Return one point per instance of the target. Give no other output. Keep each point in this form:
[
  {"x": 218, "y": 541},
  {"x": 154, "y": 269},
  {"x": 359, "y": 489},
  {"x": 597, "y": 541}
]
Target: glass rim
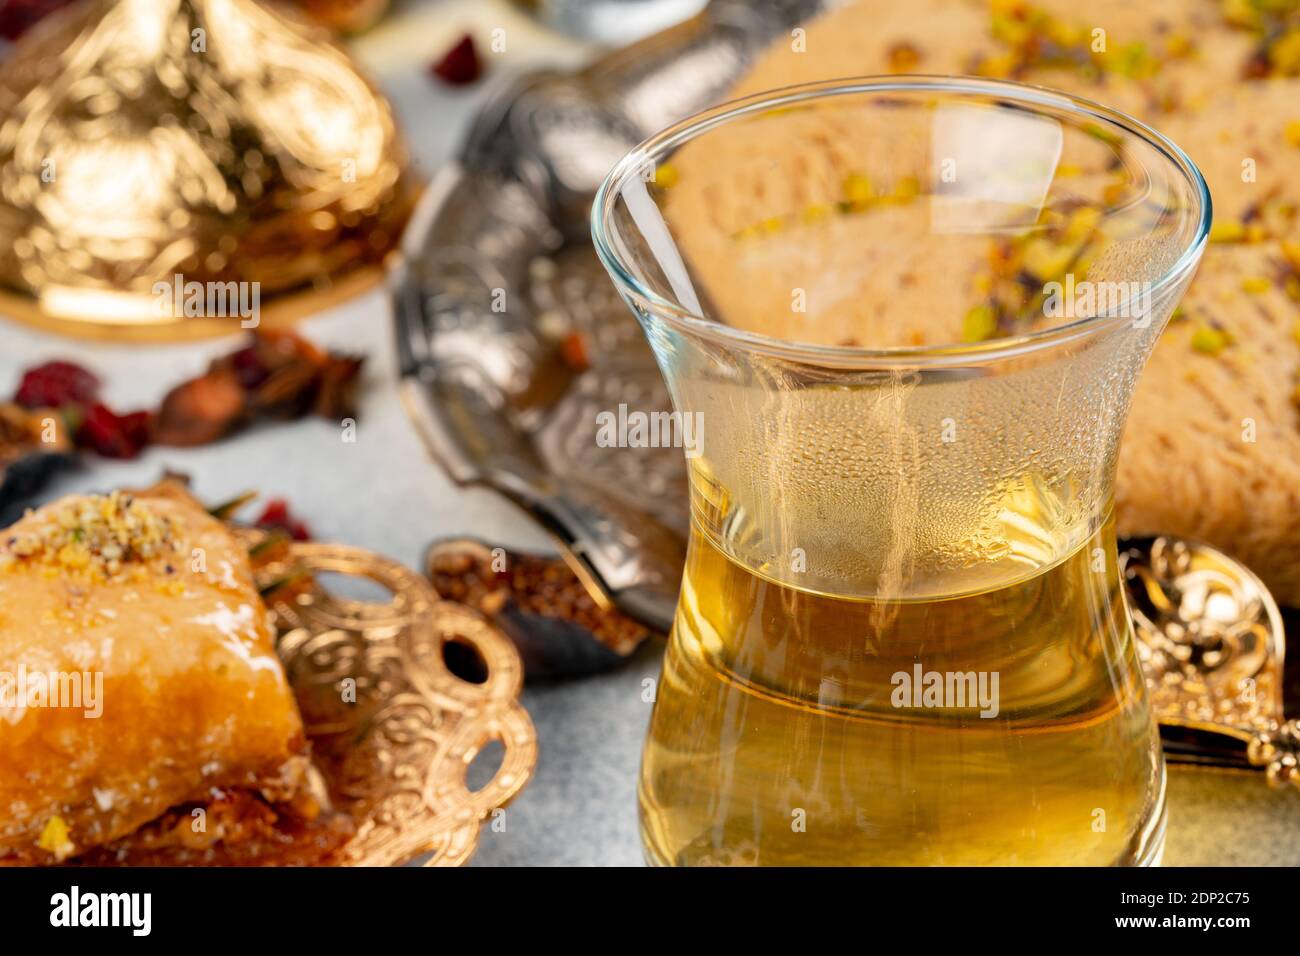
[{"x": 1022, "y": 94}]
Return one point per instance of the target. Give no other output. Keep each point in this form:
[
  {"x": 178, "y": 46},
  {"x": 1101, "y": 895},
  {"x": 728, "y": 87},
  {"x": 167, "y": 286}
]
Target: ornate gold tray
[{"x": 396, "y": 760}]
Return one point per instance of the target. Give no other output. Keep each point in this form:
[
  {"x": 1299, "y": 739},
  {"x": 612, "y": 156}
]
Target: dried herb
[
  {"x": 202, "y": 410},
  {"x": 286, "y": 376},
  {"x": 57, "y": 409},
  {"x": 277, "y": 375},
  {"x": 66, "y": 393}
]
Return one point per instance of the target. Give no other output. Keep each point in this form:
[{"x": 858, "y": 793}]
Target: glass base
[
  {"x": 1149, "y": 849},
  {"x": 1151, "y": 846}
]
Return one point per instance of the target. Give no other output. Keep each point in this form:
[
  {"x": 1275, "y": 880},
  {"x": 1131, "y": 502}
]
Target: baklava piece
[{"x": 138, "y": 675}]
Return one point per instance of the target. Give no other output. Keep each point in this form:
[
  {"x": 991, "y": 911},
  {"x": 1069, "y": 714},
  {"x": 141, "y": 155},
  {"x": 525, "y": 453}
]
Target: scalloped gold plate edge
[{"x": 412, "y": 716}]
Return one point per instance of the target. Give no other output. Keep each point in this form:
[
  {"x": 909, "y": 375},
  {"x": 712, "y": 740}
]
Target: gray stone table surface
[{"x": 382, "y": 492}]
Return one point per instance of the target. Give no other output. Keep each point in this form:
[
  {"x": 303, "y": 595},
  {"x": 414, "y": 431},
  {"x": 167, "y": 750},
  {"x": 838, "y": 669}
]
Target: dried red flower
[
  {"x": 277, "y": 517},
  {"x": 55, "y": 384},
  {"x": 113, "y": 435},
  {"x": 279, "y": 374},
  {"x": 460, "y": 65}
]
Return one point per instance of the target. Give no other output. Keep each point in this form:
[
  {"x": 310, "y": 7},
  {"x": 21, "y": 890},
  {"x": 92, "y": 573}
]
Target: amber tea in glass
[{"x": 909, "y": 313}]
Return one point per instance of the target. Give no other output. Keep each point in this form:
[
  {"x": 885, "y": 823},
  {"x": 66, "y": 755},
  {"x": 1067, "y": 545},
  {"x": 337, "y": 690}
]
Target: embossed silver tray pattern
[{"x": 499, "y": 272}]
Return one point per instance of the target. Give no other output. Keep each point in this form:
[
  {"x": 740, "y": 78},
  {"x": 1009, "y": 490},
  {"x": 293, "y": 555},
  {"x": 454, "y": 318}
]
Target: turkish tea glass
[{"x": 904, "y": 317}]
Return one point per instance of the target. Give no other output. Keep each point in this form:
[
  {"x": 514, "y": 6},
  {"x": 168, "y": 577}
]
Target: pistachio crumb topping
[
  {"x": 1033, "y": 37},
  {"x": 55, "y": 839},
  {"x": 1227, "y": 230},
  {"x": 666, "y": 175},
  {"x": 979, "y": 323},
  {"x": 101, "y": 535},
  {"x": 1210, "y": 340},
  {"x": 1291, "y": 253}
]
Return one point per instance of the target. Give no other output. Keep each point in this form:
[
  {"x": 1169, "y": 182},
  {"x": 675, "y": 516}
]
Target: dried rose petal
[
  {"x": 56, "y": 383},
  {"x": 113, "y": 435},
  {"x": 277, "y": 517},
  {"x": 460, "y": 65}
]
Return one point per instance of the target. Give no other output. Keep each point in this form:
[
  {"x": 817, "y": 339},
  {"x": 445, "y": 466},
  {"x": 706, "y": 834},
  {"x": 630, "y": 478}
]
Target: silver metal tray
[{"x": 499, "y": 274}]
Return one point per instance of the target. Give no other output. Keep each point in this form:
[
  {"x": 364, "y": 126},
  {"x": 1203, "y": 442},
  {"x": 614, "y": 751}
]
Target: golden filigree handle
[
  {"x": 396, "y": 749},
  {"x": 485, "y": 721}
]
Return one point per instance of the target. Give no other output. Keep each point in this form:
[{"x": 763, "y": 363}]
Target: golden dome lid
[{"x": 163, "y": 159}]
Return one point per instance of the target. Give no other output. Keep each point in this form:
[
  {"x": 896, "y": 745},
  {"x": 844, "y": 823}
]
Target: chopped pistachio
[
  {"x": 1209, "y": 340},
  {"x": 1179, "y": 45},
  {"x": 906, "y": 188},
  {"x": 1114, "y": 193},
  {"x": 1256, "y": 233},
  {"x": 1046, "y": 259},
  {"x": 1099, "y": 132},
  {"x": 1011, "y": 29},
  {"x": 1065, "y": 34},
  {"x": 1240, "y": 13},
  {"x": 1285, "y": 54},
  {"x": 1082, "y": 222},
  {"x": 666, "y": 175},
  {"x": 815, "y": 213},
  {"x": 858, "y": 189},
  {"x": 1227, "y": 230},
  {"x": 980, "y": 323},
  {"x": 1132, "y": 61},
  {"x": 1291, "y": 253},
  {"x": 55, "y": 839},
  {"x": 96, "y": 535},
  {"x": 998, "y": 67}
]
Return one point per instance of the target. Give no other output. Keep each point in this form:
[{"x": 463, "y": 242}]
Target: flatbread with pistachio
[{"x": 1212, "y": 448}]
